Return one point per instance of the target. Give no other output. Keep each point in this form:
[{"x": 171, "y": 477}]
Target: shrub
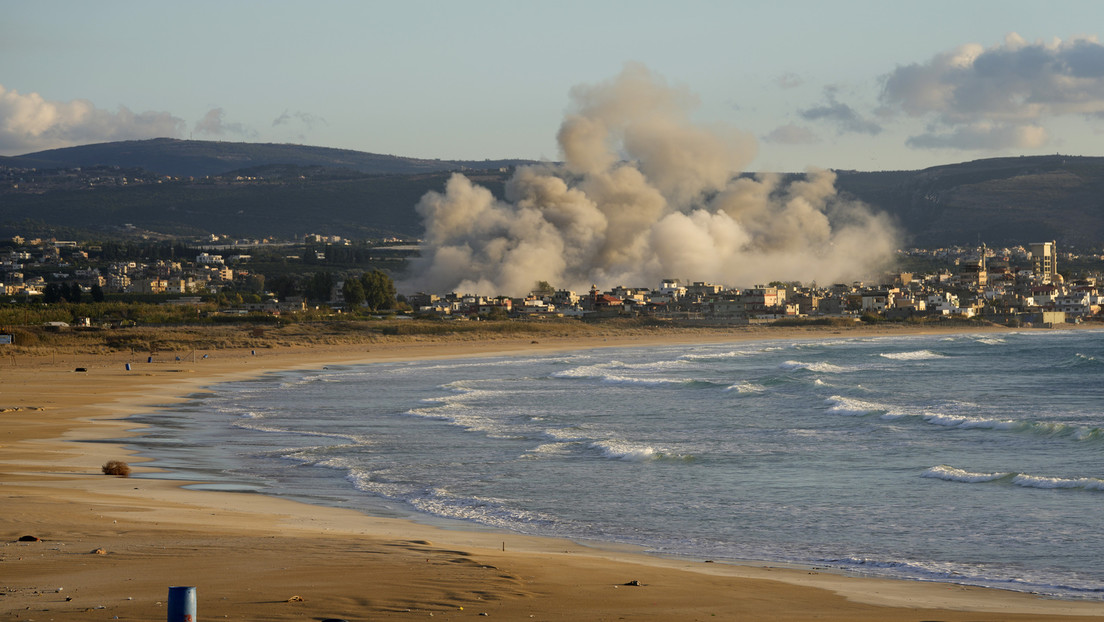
[{"x": 116, "y": 467}]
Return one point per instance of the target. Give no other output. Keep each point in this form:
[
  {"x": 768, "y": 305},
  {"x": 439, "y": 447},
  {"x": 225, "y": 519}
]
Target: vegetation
[
  {"x": 289, "y": 190},
  {"x": 117, "y": 468}
]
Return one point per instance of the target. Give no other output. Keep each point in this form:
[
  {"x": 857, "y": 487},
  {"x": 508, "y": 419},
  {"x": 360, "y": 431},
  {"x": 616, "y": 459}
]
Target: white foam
[
  {"x": 852, "y": 407},
  {"x": 817, "y": 367},
  {"x": 258, "y": 427},
  {"x": 623, "y": 450},
  {"x": 712, "y": 356},
  {"x": 1025, "y": 480},
  {"x": 917, "y": 355},
  {"x": 1040, "y": 481},
  {"x": 952, "y": 474},
  {"x": 746, "y": 387},
  {"x": 958, "y": 421},
  {"x": 551, "y": 449}
]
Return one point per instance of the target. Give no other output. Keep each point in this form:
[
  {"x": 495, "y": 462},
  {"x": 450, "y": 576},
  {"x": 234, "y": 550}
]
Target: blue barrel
[
  {"x": 182, "y": 604},
  {"x": 128, "y": 366},
  {"x": 149, "y": 360}
]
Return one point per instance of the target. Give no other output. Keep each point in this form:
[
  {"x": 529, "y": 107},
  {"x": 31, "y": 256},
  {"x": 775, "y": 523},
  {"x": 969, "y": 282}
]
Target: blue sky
[{"x": 848, "y": 85}]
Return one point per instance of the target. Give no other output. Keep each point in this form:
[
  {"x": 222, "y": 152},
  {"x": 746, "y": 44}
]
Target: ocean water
[{"x": 974, "y": 459}]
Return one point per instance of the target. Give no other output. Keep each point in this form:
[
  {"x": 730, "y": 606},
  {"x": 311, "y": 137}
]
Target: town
[{"x": 1016, "y": 286}]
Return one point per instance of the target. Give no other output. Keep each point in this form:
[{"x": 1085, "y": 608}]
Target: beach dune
[{"x": 104, "y": 547}]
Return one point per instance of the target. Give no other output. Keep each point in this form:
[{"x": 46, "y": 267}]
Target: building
[{"x": 1044, "y": 258}]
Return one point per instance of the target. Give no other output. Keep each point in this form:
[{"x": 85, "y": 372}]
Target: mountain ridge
[
  {"x": 200, "y": 158},
  {"x": 292, "y": 189}
]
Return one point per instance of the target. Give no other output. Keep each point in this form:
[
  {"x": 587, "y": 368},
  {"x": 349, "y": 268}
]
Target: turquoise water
[{"x": 972, "y": 459}]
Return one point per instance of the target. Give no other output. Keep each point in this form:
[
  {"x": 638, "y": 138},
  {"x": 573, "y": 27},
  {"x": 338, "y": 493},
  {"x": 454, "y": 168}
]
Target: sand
[{"x": 110, "y": 547}]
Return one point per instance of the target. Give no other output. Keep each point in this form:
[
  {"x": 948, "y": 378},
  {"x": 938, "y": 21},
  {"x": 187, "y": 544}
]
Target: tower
[{"x": 1044, "y": 259}]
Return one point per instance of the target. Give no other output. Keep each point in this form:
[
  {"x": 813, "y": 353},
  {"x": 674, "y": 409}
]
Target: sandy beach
[{"x": 109, "y": 547}]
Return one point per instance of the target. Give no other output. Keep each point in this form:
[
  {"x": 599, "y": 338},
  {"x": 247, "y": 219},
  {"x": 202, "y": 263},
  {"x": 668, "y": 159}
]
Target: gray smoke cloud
[{"x": 643, "y": 194}]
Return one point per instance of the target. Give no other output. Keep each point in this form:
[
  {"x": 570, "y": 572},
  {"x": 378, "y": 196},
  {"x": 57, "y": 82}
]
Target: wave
[
  {"x": 746, "y": 387},
  {"x": 1080, "y": 360},
  {"x": 251, "y": 424},
  {"x": 603, "y": 374},
  {"x": 623, "y": 450},
  {"x": 632, "y": 452},
  {"x": 918, "y": 355},
  {"x": 439, "y": 502},
  {"x": 716, "y": 356},
  {"x": 953, "y": 474},
  {"x": 822, "y": 367},
  {"x": 849, "y": 406},
  {"x": 655, "y": 382},
  {"x": 1041, "y": 428},
  {"x": 984, "y": 575}
]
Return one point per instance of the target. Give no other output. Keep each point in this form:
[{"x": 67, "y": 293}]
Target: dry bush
[{"x": 116, "y": 467}]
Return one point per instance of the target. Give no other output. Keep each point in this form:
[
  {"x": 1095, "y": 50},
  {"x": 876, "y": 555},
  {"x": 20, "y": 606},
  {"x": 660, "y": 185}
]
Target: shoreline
[{"x": 50, "y": 475}]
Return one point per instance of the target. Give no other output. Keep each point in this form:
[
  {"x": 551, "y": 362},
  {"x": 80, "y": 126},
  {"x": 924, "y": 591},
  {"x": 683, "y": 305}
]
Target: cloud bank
[
  {"x": 998, "y": 98},
  {"x": 30, "y": 123},
  {"x": 643, "y": 194}
]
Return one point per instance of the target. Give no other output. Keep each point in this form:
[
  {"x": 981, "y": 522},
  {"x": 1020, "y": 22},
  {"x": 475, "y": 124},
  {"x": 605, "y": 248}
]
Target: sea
[{"x": 972, "y": 459}]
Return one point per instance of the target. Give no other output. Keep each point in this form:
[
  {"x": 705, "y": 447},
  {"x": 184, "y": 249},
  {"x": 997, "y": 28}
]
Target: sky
[{"x": 840, "y": 85}]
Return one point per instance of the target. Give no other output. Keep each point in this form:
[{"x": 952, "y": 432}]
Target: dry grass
[{"x": 117, "y": 468}]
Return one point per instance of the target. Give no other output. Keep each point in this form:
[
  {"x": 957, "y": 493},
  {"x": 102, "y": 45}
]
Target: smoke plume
[{"x": 643, "y": 194}]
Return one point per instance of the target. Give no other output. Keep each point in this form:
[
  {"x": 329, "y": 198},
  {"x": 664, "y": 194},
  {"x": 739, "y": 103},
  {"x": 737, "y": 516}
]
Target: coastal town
[{"x": 1016, "y": 286}]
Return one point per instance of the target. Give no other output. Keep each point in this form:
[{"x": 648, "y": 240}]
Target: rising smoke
[{"x": 643, "y": 194}]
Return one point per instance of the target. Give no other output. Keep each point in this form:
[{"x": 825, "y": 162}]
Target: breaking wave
[
  {"x": 953, "y": 474},
  {"x": 822, "y": 367},
  {"x": 918, "y": 355}
]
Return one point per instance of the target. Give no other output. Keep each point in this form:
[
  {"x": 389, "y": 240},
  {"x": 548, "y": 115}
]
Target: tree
[
  {"x": 544, "y": 288},
  {"x": 353, "y": 290},
  {"x": 97, "y": 293},
  {"x": 320, "y": 286},
  {"x": 52, "y": 293},
  {"x": 255, "y": 283},
  {"x": 74, "y": 292},
  {"x": 284, "y": 286},
  {"x": 379, "y": 290}
]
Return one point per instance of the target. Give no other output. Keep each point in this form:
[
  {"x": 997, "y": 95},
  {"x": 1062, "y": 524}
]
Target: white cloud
[
  {"x": 983, "y": 136},
  {"x": 31, "y": 123},
  {"x": 998, "y": 98}
]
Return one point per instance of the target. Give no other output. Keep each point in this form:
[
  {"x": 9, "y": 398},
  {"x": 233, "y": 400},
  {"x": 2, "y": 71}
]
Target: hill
[
  {"x": 200, "y": 158},
  {"x": 257, "y": 190},
  {"x": 282, "y": 202},
  {"x": 998, "y": 200}
]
